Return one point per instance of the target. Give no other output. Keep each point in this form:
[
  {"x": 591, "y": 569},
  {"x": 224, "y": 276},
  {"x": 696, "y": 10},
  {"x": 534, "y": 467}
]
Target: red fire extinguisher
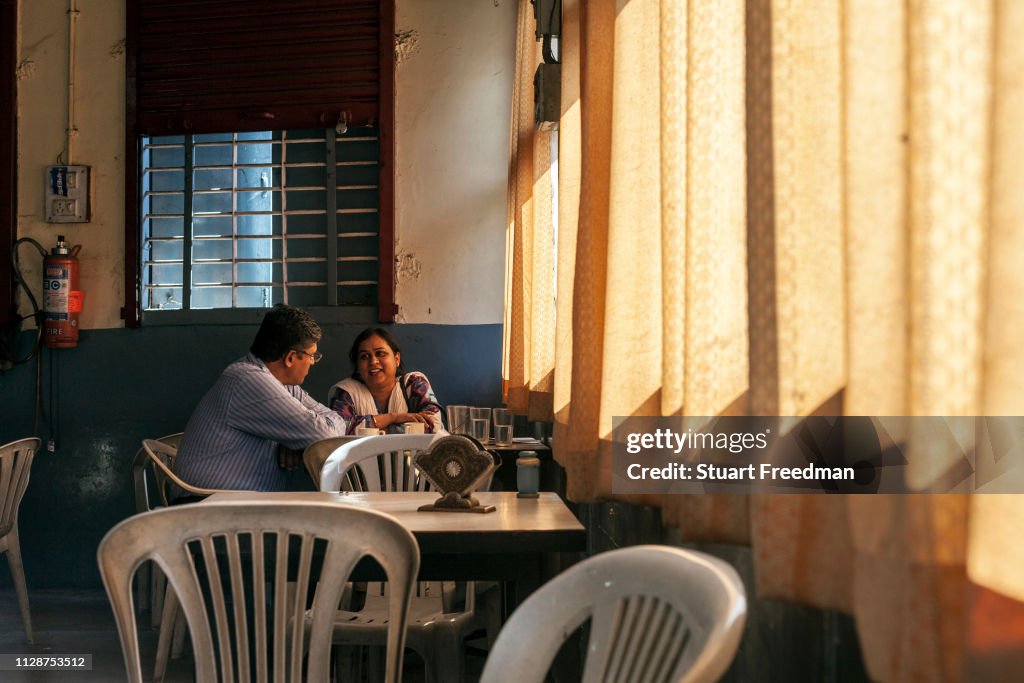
[{"x": 62, "y": 298}]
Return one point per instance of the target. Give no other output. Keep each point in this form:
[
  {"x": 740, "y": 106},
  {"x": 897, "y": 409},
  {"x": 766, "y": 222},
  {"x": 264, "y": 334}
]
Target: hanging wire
[
  {"x": 12, "y": 331},
  {"x": 36, "y": 313}
]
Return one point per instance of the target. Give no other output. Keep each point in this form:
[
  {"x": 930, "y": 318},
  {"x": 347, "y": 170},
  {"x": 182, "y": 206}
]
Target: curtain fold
[
  {"x": 529, "y": 329},
  {"x": 784, "y": 208}
]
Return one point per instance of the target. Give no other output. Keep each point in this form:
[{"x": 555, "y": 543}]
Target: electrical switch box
[
  {"x": 547, "y": 94},
  {"x": 549, "y": 17},
  {"x": 67, "y": 194}
]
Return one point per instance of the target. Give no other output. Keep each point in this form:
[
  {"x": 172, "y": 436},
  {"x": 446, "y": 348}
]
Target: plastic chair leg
[
  {"x": 488, "y": 606},
  {"x": 347, "y": 663},
  {"x": 180, "y": 631},
  {"x": 376, "y": 663},
  {"x": 143, "y": 581},
  {"x": 448, "y": 657},
  {"x": 18, "y": 574},
  {"x": 158, "y": 586},
  {"x": 163, "y": 646}
]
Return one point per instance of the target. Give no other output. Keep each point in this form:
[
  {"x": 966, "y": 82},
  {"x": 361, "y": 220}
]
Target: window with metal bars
[{"x": 248, "y": 220}]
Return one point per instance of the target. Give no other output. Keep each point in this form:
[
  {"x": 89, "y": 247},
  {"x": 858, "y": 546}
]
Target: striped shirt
[{"x": 231, "y": 441}]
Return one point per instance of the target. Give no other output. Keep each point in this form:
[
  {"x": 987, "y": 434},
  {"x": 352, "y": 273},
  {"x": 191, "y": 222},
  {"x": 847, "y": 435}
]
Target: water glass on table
[
  {"x": 480, "y": 414},
  {"x": 480, "y": 429},
  {"x": 502, "y": 426},
  {"x": 502, "y": 435},
  {"x": 458, "y": 419}
]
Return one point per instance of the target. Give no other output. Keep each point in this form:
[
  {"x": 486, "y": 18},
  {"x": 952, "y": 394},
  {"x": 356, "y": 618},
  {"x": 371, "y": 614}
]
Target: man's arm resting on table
[{"x": 278, "y": 414}]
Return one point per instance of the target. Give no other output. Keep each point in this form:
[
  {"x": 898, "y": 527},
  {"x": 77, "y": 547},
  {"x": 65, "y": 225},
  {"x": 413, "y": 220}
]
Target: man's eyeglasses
[{"x": 315, "y": 356}]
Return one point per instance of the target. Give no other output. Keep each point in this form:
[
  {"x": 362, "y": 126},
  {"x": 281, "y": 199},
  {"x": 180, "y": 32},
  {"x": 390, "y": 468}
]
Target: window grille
[{"x": 245, "y": 220}]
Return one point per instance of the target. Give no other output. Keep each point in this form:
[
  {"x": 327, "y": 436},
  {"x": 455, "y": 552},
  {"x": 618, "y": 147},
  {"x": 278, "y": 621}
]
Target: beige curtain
[
  {"x": 528, "y": 366},
  {"x": 778, "y": 208}
]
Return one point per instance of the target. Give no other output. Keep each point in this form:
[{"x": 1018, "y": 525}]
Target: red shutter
[{"x": 235, "y": 65}]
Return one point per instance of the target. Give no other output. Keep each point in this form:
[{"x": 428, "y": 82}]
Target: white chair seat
[{"x": 432, "y": 633}]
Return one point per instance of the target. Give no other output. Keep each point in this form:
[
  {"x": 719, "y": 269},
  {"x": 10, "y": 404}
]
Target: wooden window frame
[{"x": 8, "y": 155}]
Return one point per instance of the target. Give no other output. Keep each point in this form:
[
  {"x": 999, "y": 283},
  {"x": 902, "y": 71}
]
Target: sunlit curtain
[
  {"x": 778, "y": 208},
  {"x": 529, "y": 329}
]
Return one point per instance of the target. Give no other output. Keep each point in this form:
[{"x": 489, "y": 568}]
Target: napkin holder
[{"x": 455, "y": 466}]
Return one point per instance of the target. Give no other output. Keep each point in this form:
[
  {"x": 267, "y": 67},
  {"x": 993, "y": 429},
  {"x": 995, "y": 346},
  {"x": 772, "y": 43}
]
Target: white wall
[
  {"x": 454, "y": 97},
  {"x": 99, "y": 117},
  {"x": 453, "y": 109}
]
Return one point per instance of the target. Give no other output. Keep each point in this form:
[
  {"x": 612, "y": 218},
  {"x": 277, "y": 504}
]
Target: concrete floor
[
  {"x": 73, "y": 623},
  {"x": 81, "y": 622}
]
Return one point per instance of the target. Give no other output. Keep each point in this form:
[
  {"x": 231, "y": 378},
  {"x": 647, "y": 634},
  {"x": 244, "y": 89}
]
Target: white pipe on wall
[{"x": 71, "y": 131}]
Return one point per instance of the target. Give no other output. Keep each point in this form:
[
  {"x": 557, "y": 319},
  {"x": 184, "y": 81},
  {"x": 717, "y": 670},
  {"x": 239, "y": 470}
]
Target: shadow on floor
[
  {"x": 72, "y": 623},
  {"x": 81, "y": 623}
]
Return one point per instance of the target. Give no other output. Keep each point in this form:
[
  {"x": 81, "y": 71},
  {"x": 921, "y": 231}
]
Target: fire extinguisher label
[
  {"x": 55, "y": 296},
  {"x": 55, "y": 272},
  {"x": 56, "y": 316},
  {"x": 75, "y": 299}
]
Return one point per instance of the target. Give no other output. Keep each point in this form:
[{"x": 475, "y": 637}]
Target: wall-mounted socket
[{"x": 67, "y": 194}]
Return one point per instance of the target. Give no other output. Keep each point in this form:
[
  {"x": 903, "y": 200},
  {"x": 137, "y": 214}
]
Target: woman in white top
[{"x": 379, "y": 393}]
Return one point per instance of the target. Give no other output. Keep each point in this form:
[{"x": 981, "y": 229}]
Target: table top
[
  {"x": 520, "y": 444},
  {"x": 541, "y": 524}
]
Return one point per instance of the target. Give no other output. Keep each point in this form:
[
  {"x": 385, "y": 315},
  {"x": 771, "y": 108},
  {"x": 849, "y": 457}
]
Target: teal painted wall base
[{"x": 121, "y": 386}]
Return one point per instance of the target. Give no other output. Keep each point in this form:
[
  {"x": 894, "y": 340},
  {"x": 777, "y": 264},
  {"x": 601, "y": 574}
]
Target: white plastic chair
[
  {"x": 394, "y": 470},
  {"x": 245, "y": 600},
  {"x": 161, "y": 454},
  {"x": 316, "y": 454},
  {"x": 15, "y": 464},
  {"x": 151, "y": 494},
  {"x": 435, "y": 632},
  {"x": 657, "y": 614}
]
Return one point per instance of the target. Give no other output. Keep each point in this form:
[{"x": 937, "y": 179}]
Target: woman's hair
[{"x": 353, "y": 353}]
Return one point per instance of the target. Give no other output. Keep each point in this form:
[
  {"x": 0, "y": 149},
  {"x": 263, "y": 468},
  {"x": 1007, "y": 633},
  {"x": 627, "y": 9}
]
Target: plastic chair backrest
[
  {"x": 162, "y": 455},
  {"x": 144, "y": 476},
  {"x": 243, "y": 624},
  {"x": 391, "y": 469},
  {"x": 316, "y": 454},
  {"x": 15, "y": 466},
  {"x": 658, "y": 614}
]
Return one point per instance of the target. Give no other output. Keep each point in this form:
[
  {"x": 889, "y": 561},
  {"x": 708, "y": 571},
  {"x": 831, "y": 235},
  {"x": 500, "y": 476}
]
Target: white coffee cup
[
  {"x": 368, "y": 431},
  {"x": 414, "y": 428}
]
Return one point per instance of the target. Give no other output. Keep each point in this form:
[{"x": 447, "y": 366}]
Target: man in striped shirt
[{"x": 233, "y": 439}]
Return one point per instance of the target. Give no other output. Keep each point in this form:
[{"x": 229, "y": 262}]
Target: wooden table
[{"x": 506, "y": 545}]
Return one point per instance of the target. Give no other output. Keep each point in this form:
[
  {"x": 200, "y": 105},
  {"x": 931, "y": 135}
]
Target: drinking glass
[
  {"x": 458, "y": 419},
  {"x": 502, "y": 416},
  {"x": 502, "y": 435},
  {"x": 481, "y": 430}
]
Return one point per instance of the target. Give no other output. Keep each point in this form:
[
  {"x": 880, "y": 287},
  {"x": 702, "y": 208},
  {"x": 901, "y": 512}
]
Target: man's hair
[{"x": 284, "y": 328}]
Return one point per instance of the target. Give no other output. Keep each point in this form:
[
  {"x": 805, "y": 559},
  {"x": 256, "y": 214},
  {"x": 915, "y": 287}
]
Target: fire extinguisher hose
[{"x": 36, "y": 313}]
